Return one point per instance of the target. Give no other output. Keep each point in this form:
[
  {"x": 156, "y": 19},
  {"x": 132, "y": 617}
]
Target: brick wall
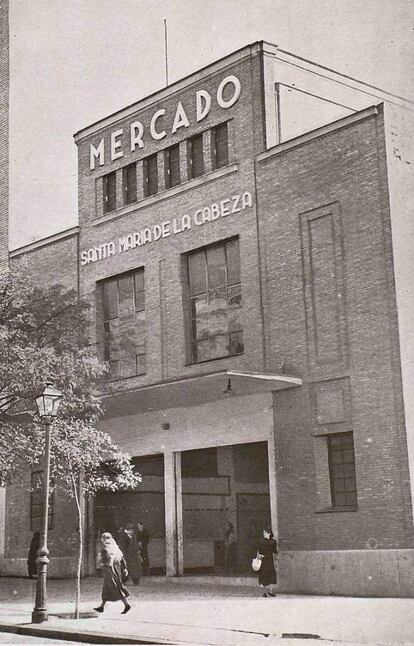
[
  {"x": 341, "y": 173},
  {"x": 166, "y": 351},
  {"x": 4, "y": 133}
]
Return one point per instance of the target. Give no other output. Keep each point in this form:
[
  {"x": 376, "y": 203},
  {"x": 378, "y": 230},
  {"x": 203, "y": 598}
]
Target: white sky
[{"x": 75, "y": 61}]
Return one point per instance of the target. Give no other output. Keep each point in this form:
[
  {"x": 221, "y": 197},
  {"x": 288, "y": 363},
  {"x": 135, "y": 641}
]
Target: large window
[
  {"x": 129, "y": 183},
  {"x": 342, "y": 470},
  {"x": 150, "y": 175},
  {"x": 215, "y": 301},
  {"x": 172, "y": 166},
  {"x": 124, "y": 324},
  {"x": 109, "y": 192},
  {"x": 195, "y": 156},
  {"x": 220, "y": 146}
]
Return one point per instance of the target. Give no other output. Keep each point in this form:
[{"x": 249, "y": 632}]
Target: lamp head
[{"x": 48, "y": 402}]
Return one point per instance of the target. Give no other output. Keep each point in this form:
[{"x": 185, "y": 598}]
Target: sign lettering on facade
[
  {"x": 134, "y": 136},
  {"x": 167, "y": 228}
]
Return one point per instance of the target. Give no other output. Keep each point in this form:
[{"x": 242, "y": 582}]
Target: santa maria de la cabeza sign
[{"x": 209, "y": 213}]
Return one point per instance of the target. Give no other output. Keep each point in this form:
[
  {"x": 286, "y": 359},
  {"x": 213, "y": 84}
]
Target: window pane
[
  {"x": 221, "y": 154},
  {"x": 125, "y": 295},
  {"x": 235, "y": 320},
  {"x": 129, "y": 180},
  {"x": 342, "y": 469},
  {"x": 219, "y": 346},
  {"x": 201, "y": 350},
  {"x": 109, "y": 192},
  {"x": 128, "y": 366},
  {"x": 196, "y": 156},
  {"x": 197, "y": 272},
  {"x": 141, "y": 364},
  {"x": 234, "y": 296},
  {"x": 216, "y": 262},
  {"x": 173, "y": 166},
  {"x": 233, "y": 262},
  {"x": 150, "y": 175},
  {"x": 110, "y": 299},
  {"x": 236, "y": 345}
]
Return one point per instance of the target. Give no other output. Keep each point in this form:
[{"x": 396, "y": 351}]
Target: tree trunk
[{"x": 78, "y": 495}]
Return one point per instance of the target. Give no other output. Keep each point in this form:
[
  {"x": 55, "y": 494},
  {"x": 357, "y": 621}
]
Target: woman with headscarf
[
  {"x": 267, "y": 573},
  {"x": 114, "y": 573}
]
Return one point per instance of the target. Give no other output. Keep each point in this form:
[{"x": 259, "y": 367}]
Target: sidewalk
[{"x": 166, "y": 611}]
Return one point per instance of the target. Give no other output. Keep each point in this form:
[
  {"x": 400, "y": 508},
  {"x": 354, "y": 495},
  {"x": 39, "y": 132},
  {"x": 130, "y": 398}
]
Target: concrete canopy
[{"x": 190, "y": 391}]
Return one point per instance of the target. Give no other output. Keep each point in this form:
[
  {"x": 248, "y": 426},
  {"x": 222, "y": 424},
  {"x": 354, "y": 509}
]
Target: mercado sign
[
  {"x": 167, "y": 228},
  {"x": 227, "y": 94}
]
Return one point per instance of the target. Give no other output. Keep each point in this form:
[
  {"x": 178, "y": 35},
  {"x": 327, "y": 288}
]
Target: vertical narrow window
[
  {"x": 341, "y": 458},
  {"x": 109, "y": 192},
  {"x": 129, "y": 183},
  {"x": 150, "y": 175},
  {"x": 220, "y": 146},
  {"x": 195, "y": 155},
  {"x": 124, "y": 324},
  {"x": 216, "y": 328},
  {"x": 172, "y": 166}
]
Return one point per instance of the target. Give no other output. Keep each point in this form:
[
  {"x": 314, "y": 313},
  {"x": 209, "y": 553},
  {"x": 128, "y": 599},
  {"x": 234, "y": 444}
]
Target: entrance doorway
[
  {"x": 114, "y": 511},
  {"x": 225, "y": 506}
]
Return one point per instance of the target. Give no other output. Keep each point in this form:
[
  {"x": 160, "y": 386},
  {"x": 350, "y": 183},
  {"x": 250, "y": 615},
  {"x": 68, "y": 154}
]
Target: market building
[{"x": 245, "y": 240}]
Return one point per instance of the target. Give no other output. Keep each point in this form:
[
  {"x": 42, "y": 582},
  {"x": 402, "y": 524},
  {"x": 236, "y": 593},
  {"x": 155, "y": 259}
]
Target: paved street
[
  {"x": 10, "y": 638},
  {"x": 166, "y": 611}
]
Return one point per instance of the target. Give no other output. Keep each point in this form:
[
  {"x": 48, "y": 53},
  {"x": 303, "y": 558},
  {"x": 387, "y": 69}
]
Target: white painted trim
[
  {"x": 45, "y": 241},
  {"x": 319, "y": 132}
]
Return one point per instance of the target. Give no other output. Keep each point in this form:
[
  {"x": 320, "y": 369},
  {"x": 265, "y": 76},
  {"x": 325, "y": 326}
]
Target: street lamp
[{"x": 47, "y": 404}]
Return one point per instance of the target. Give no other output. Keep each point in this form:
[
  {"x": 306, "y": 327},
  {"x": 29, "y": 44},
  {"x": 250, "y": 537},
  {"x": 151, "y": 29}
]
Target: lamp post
[{"x": 47, "y": 404}]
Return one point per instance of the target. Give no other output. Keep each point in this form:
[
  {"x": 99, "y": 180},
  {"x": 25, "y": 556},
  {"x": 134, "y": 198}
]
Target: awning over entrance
[{"x": 198, "y": 389}]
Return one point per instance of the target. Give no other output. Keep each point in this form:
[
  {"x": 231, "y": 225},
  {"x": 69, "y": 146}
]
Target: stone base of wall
[
  {"x": 58, "y": 568},
  {"x": 364, "y": 573},
  {"x": 367, "y": 573}
]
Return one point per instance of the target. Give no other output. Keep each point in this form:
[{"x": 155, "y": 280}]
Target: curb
[{"x": 86, "y": 637}]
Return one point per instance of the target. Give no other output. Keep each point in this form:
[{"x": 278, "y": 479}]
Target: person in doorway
[
  {"x": 114, "y": 574},
  {"x": 267, "y": 573},
  {"x": 230, "y": 549},
  {"x": 142, "y": 537},
  {"x": 32, "y": 556},
  {"x": 130, "y": 548}
]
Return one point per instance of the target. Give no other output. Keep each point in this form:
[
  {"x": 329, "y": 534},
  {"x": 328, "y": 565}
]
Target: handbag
[{"x": 257, "y": 562}]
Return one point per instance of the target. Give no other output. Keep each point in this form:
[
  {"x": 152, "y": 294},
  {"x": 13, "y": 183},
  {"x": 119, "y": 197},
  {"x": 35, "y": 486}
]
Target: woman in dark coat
[
  {"x": 114, "y": 571},
  {"x": 32, "y": 556},
  {"x": 267, "y": 573},
  {"x": 130, "y": 548}
]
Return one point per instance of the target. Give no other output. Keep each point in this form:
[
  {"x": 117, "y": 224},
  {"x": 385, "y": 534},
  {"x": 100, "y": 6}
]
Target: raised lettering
[
  {"x": 154, "y": 133},
  {"x": 224, "y": 208},
  {"x": 246, "y": 200},
  {"x": 115, "y": 153},
  {"x": 157, "y": 232},
  {"x": 197, "y": 216},
  {"x": 95, "y": 153},
  {"x": 202, "y": 110},
  {"x": 236, "y": 202},
  {"x": 215, "y": 211},
  {"x": 186, "y": 222},
  {"x": 146, "y": 236},
  {"x": 84, "y": 258},
  {"x": 165, "y": 229},
  {"x": 137, "y": 131},
  {"x": 180, "y": 119},
  {"x": 227, "y": 103}
]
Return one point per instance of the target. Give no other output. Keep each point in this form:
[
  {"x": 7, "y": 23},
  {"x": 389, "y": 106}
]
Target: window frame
[
  {"x": 194, "y": 170},
  {"x": 333, "y": 479},
  {"x": 106, "y": 320},
  {"x": 232, "y": 289},
  {"x": 219, "y": 161},
  {"x": 150, "y": 175},
  {"x": 172, "y": 178},
  {"x": 109, "y": 192},
  {"x": 126, "y": 189}
]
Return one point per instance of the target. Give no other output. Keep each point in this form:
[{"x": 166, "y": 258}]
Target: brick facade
[{"x": 319, "y": 305}]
